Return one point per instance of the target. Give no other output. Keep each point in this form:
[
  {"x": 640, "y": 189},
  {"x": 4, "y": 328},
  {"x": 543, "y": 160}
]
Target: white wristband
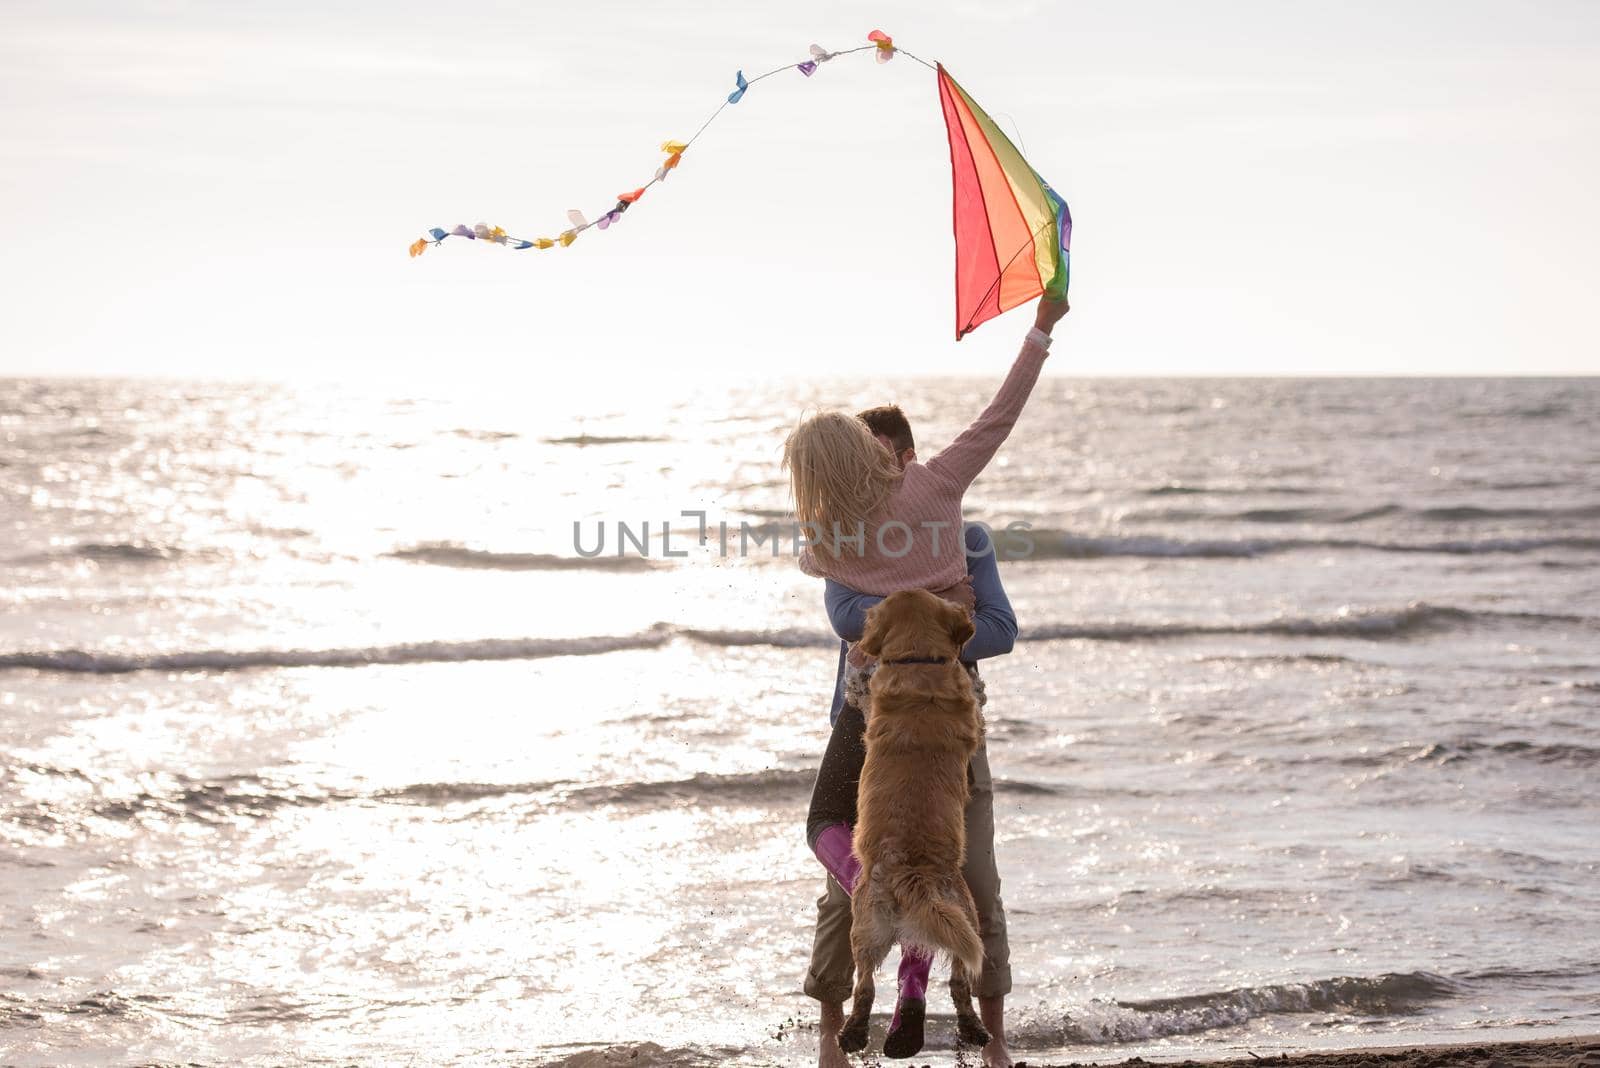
[{"x": 1039, "y": 337}]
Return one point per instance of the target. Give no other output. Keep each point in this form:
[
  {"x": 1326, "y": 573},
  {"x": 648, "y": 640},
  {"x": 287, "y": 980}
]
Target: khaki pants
[{"x": 832, "y": 973}]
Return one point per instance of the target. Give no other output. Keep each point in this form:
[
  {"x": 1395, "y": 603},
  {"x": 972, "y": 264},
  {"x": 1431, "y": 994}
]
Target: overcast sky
[{"x": 1272, "y": 187}]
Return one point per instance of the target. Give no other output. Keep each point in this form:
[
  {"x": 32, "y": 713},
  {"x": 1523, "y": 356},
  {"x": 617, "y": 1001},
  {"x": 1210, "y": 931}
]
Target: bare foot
[
  {"x": 829, "y": 1053},
  {"x": 993, "y": 1012},
  {"x": 995, "y": 1054}
]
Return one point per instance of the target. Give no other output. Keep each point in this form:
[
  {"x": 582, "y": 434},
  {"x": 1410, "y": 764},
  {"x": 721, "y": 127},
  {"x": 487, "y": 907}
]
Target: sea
[{"x": 380, "y": 726}]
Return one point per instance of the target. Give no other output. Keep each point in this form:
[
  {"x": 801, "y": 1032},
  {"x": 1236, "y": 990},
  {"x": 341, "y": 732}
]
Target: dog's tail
[{"x": 936, "y": 915}]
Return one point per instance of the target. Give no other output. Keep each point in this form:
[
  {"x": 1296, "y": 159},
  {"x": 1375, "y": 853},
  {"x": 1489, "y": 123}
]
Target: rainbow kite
[{"x": 1013, "y": 232}]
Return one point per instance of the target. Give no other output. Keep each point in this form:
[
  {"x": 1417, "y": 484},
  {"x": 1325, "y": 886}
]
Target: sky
[{"x": 227, "y": 190}]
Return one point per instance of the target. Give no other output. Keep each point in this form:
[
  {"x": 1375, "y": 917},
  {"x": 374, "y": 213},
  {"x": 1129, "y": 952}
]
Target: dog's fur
[{"x": 922, "y": 729}]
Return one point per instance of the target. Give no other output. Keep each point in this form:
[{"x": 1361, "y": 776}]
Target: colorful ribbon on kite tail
[
  {"x": 878, "y": 42},
  {"x": 1013, "y": 232}
]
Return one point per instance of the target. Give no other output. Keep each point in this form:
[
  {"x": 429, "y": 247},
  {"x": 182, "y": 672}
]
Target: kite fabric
[{"x": 1012, "y": 231}]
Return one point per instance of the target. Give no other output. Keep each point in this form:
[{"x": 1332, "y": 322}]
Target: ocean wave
[
  {"x": 1372, "y": 624},
  {"x": 485, "y": 435},
  {"x": 1112, "y": 1022},
  {"x": 1060, "y": 545},
  {"x": 1178, "y": 489},
  {"x": 585, "y": 440},
  {"x": 451, "y": 554},
  {"x": 1038, "y": 789},
  {"x": 705, "y": 788},
  {"x": 1342, "y": 516},
  {"x": 252, "y": 797},
  {"x": 16, "y": 1011},
  {"x": 450, "y": 793},
  {"x": 1525, "y": 484},
  {"x": 1309, "y": 514},
  {"x": 78, "y": 661},
  {"x": 764, "y": 785},
  {"x": 106, "y": 552},
  {"x": 789, "y": 638},
  {"x": 1534, "y": 978},
  {"x": 1442, "y": 754},
  {"x": 1279, "y": 658},
  {"x": 1465, "y": 512},
  {"x": 213, "y": 801}
]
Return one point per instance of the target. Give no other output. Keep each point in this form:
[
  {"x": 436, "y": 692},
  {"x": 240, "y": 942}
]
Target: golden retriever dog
[{"x": 922, "y": 730}]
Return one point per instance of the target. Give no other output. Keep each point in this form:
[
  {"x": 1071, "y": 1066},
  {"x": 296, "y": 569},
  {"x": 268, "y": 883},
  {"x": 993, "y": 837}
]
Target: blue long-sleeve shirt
[{"x": 994, "y": 623}]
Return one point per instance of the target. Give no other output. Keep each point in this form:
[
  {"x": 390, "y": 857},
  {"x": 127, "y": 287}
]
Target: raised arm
[{"x": 971, "y": 451}]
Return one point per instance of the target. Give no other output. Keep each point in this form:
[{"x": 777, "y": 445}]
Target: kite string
[
  {"x": 720, "y": 107},
  {"x": 908, "y": 55},
  {"x": 762, "y": 77}
]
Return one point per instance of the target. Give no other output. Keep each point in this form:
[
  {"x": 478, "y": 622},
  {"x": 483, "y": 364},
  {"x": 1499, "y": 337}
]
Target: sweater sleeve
[
  {"x": 994, "y": 623},
  {"x": 962, "y": 460},
  {"x": 847, "y": 609}
]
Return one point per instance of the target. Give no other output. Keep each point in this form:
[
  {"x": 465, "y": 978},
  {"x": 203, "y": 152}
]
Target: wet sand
[{"x": 1581, "y": 1052}]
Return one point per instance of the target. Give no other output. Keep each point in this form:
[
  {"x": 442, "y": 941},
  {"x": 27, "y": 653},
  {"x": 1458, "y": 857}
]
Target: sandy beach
[{"x": 1582, "y": 1052}]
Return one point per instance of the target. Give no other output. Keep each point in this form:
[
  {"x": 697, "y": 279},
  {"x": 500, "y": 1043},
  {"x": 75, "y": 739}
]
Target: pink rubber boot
[
  {"x": 834, "y": 850},
  {"x": 905, "y": 1029},
  {"x": 904, "y": 1039}
]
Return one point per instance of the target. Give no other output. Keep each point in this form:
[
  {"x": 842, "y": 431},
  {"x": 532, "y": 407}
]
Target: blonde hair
[{"x": 838, "y": 473}]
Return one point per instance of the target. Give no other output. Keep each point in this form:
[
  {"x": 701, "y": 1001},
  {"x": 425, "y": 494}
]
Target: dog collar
[{"x": 920, "y": 660}]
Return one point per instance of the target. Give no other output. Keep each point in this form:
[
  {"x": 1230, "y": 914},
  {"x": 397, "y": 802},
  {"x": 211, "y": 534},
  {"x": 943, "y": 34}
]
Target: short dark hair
[{"x": 889, "y": 421}]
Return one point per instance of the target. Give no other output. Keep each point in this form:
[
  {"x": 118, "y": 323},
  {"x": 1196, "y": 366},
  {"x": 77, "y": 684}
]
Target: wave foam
[
  {"x": 451, "y": 554},
  {"x": 1113, "y": 1022},
  {"x": 585, "y": 440},
  {"x": 767, "y": 784},
  {"x": 1061, "y": 545},
  {"x": 105, "y": 552},
  {"x": 1336, "y": 516},
  {"x": 790, "y": 638},
  {"x": 252, "y": 797},
  {"x": 1369, "y": 624},
  {"x": 79, "y": 661},
  {"x": 1441, "y": 754},
  {"x": 1372, "y": 624}
]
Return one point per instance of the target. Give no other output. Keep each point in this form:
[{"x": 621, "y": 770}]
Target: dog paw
[
  {"x": 971, "y": 1031},
  {"x": 853, "y": 1035},
  {"x": 905, "y": 1038}
]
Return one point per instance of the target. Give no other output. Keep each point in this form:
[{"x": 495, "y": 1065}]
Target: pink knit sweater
[{"x": 908, "y": 556}]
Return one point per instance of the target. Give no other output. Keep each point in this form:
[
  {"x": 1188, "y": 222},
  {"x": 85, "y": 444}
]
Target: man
[{"x": 830, "y": 977}]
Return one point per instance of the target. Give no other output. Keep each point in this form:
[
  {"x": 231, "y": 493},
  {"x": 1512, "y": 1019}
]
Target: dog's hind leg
[
  {"x": 871, "y": 935},
  {"x": 969, "y": 1027}
]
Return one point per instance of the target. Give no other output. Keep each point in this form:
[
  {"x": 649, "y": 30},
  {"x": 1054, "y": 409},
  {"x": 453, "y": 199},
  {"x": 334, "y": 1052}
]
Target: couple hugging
[{"x": 881, "y": 522}]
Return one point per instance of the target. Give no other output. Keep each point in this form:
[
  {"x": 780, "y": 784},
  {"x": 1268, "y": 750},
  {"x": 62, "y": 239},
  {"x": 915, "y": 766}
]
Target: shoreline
[{"x": 1582, "y": 1051}]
